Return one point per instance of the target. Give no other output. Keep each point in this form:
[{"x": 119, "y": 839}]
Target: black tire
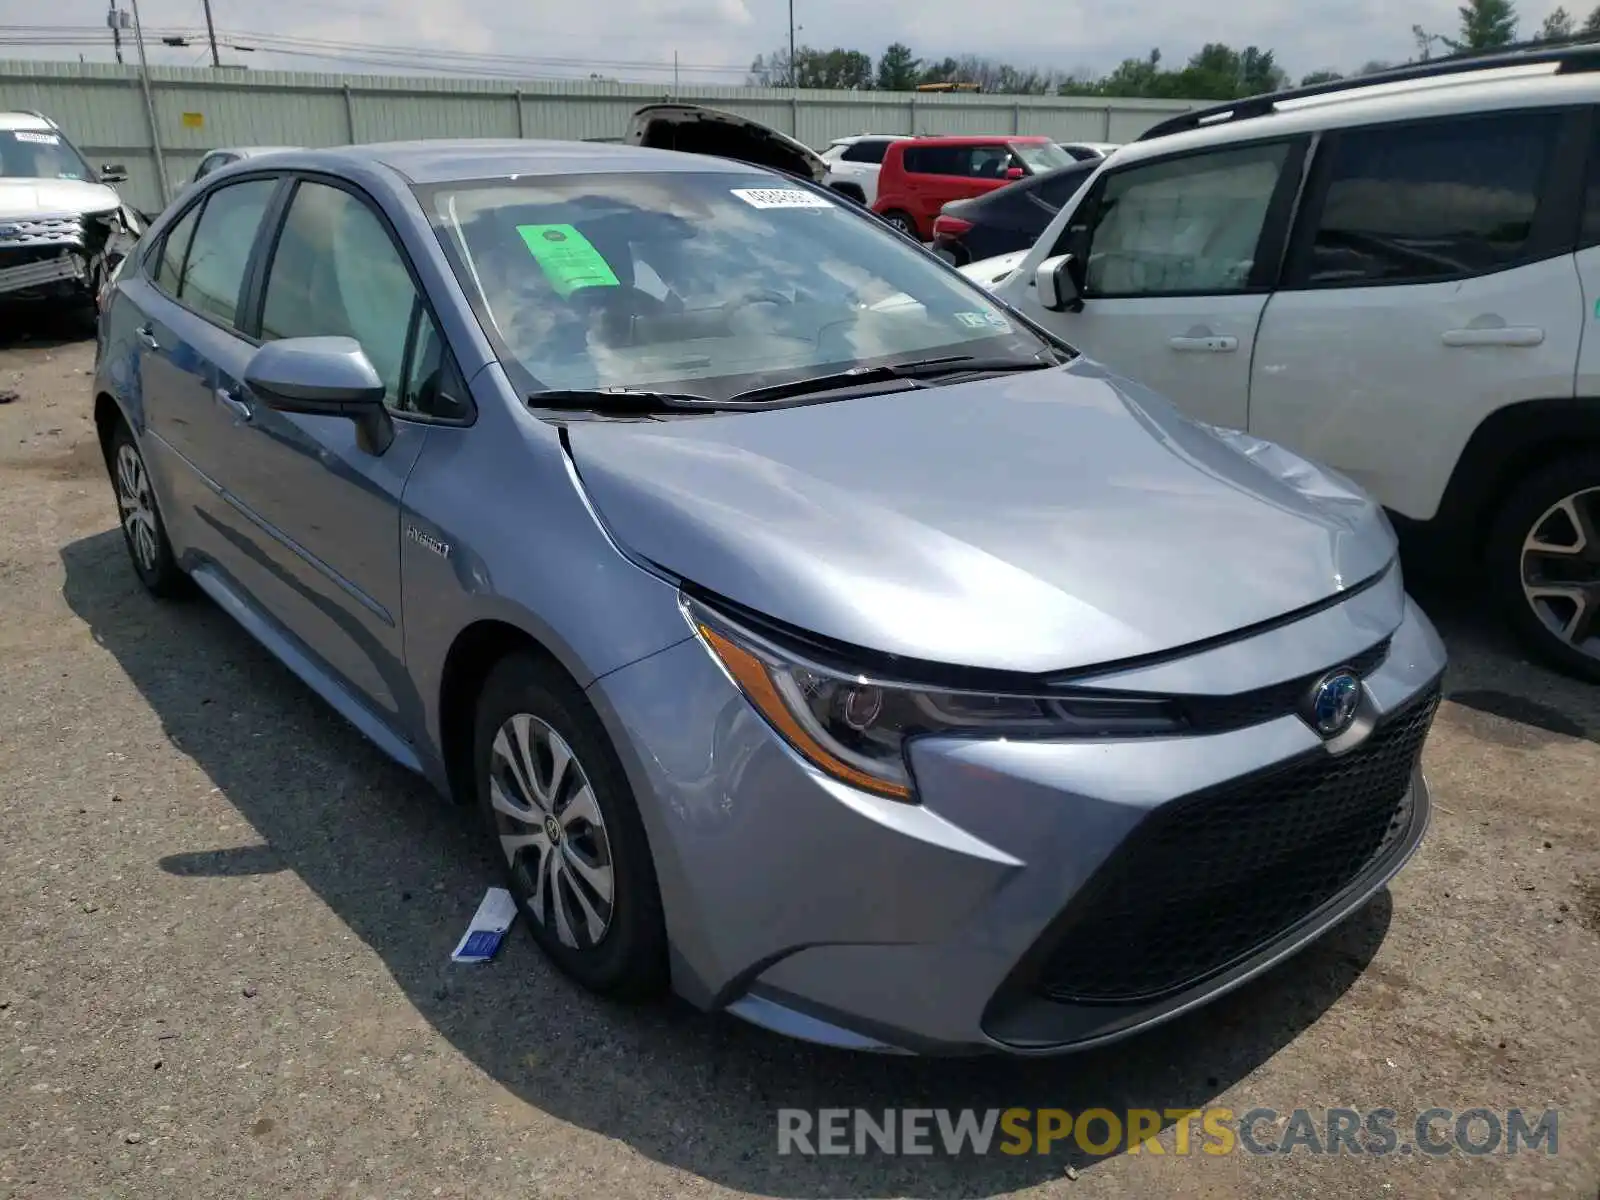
[
  {"x": 1525, "y": 513},
  {"x": 153, "y": 560},
  {"x": 904, "y": 223},
  {"x": 850, "y": 192},
  {"x": 629, "y": 960}
]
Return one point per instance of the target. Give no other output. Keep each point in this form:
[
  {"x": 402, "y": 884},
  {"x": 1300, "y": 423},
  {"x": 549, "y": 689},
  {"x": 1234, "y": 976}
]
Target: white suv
[
  {"x": 853, "y": 164},
  {"x": 1397, "y": 275},
  {"x": 62, "y": 227}
]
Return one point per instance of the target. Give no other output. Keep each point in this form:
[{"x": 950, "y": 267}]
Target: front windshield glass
[
  {"x": 39, "y": 154},
  {"x": 1042, "y": 156},
  {"x": 712, "y": 283}
]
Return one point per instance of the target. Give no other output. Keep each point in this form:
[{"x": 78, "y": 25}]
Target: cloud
[{"x": 716, "y": 39}]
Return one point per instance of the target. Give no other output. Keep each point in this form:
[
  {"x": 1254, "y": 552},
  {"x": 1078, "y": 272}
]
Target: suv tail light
[{"x": 944, "y": 226}]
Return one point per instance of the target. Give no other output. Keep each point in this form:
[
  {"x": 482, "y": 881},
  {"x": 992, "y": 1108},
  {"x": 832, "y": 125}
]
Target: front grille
[
  {"x": 54, "y": 232},
  {"x": 1209, "y": 879}
]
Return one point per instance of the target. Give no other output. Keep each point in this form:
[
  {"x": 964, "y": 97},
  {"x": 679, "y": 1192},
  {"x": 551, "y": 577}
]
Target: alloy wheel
[
  {"x": 138, "y": 508},
  {"x": 552, "y": 831},
  {"x": 1561, "y": 570}
]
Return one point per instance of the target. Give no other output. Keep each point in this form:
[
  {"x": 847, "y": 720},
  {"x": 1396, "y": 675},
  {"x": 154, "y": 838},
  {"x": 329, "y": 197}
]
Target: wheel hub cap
[
  {"x": 551, "y": 831},
  {"x": 1561, "y": 570},
  {"x": 138, "y": 507}
]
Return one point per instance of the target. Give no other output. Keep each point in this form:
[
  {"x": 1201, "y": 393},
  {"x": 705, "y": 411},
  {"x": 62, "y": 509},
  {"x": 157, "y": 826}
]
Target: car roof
[
  {"x": 972, "y": 139},
  {"x": 24, "y": 120},
  {"x": 250, "y": 151},
  {"x": 855, "y": 138},
  {"x": 1495, "y": 89},
  {"x": 446, "y": 160}
]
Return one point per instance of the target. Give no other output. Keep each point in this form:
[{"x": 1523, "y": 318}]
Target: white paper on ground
[{"x": 488, "y": 928}]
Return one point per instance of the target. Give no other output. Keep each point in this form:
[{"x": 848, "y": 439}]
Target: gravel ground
[{"x": 225, "y": 923}]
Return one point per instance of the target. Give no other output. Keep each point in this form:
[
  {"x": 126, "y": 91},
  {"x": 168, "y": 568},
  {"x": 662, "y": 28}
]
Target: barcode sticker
[
  {"x": 42, "y": 139},
  {"x": 781, "y": 198}
]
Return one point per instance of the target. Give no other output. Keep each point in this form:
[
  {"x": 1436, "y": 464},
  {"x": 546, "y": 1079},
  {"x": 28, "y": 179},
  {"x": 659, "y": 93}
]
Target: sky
[{"x": 715, "y": 39}]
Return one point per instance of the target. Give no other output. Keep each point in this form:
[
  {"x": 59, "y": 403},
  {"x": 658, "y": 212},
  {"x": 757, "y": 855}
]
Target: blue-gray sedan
[{"x": 817, "y": 637}]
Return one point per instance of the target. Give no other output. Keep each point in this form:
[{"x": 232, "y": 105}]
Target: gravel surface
[{"x": 225, "y": 923}]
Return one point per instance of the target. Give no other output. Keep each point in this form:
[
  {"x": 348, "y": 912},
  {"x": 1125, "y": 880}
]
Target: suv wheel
[
  {"x": 555, "y": 797},
  {"x": 902, "y": 222},
  {"x": 1544, "y": 563},
  {"x": 139, "y": 513}
]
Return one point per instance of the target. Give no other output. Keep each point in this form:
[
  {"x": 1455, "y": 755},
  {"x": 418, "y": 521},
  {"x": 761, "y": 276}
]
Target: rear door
[
  {"x": 193, "y": 355},
  {"x": 325, "y": 513},
  {"x": 1430, "y": 281},
  {"x": 1179, "y": 256}
]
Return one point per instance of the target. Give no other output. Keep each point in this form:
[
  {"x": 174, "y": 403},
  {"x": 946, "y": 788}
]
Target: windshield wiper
[
  {"x": 619, "y": 400},
  {"x": 919, "y": 369}
]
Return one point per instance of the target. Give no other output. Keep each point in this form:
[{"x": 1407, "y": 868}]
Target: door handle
[
  {"x": 1505, "y": 335},
  {"x": 1213, "y": 343},
  {"x": 147, "y": 335},
  {"x": 237, "y": 406}
]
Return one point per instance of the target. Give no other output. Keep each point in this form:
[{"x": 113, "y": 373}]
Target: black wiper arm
[
  {"x": 618, "y": 400},
  {"x": 926, "y": 368}
]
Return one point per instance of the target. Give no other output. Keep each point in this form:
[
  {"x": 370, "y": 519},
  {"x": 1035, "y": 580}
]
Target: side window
[
  {"x": 433, "y": 384},
  {"x": 990, "y": 162},
  {"x": 1187, "y": 224},
  {"x": 937, "y": 160},
  {"x": 1412, "y": 203},
  {"x": 214, "y": 272},
  {"x": 865, "y": 152},
  {"x": 337, "y": 273},
  {"x": 168, "y": 269}
]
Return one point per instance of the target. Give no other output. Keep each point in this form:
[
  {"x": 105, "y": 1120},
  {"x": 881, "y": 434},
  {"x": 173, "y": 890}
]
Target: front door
[{"x": 1178, "y": 257}]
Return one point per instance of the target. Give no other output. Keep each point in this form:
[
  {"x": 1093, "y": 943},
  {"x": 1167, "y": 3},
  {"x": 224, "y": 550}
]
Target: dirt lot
[{"x": 225, "y": 923}]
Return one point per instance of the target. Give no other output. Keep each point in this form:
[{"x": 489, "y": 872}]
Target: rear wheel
[
  {"x": 565, "y": 824},
  {"x": 1544, "y": 563},
  {"x": 903, "y": 222},
  {"x": 143, "y": 530}
]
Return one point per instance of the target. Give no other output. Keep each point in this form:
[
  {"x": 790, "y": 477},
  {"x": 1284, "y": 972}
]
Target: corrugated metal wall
[{"x": 103, "y": 109}]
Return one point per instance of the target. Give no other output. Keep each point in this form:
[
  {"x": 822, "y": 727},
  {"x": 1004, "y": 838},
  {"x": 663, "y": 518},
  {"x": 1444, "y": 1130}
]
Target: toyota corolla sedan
[{"x": 816, "y": 637}]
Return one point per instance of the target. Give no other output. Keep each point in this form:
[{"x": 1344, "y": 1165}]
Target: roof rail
[{"x": 1570, "y": 56}]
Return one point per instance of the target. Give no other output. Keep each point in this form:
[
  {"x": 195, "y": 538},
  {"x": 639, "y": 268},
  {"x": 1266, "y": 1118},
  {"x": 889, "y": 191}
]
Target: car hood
[
  {"x": 694, "y": 129},
  {"x": 1040, "y": 521},
  {"x": 54, "y": 198},
  {"x": 990, "y": 272}
]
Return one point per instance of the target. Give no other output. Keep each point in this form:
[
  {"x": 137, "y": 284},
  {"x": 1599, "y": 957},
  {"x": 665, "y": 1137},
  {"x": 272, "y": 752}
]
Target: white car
[
  {"x": 1083, "y": 151},
  {"x": 853, "y": 164},
  {"x": 63, "y": 228},
  {"x": 1397, "y": 275}
]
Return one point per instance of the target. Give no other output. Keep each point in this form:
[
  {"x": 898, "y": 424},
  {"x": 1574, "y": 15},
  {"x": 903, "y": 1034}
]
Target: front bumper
[{"x": 1003, "y": 912}]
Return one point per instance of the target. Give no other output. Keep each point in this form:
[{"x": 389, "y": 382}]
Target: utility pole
[
  {"x": 792, "y": 76},
  {"x": 115, "y": 19},
  {"x": 150, "y": 107},
  {"x": 211, "y": 33}
]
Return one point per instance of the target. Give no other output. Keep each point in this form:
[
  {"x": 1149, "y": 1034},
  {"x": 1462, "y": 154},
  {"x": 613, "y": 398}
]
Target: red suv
[{"x": 921, "y": 175}]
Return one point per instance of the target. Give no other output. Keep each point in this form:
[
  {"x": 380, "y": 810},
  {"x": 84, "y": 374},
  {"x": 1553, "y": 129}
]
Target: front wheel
[
  {"x": 1543, "y": 558},
  {"x": 566, "y": 826}
]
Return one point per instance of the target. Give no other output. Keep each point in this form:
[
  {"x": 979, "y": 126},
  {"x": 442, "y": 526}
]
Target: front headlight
[{"x": 855, "y": 727}]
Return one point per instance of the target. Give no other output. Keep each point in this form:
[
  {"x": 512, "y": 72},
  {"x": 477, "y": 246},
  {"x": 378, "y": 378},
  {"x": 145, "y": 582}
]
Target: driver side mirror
[
  {"x": 1015, "y": 172},
  {"x": 113, "y": 173},
  {"x": 1057, "y": 284},
  {"x": 323, "y": 377}
]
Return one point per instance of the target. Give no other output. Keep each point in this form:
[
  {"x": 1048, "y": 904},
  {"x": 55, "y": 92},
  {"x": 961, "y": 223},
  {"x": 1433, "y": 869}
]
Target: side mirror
[
  {"x": 1057, "y": 285},
  {"x": 1015, "y": 172},
  {"x": 323, "y": 377},
  {"x": 113, "y": 173}
]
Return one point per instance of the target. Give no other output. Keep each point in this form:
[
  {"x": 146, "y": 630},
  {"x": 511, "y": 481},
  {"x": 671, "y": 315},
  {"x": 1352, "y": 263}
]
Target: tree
[
  {"x": 1592, "y": 23},
  {"x": 836, "y": 68},
  {"x": 1317, "y": 77},
  {"x": 1557, "y": 25},
  {"x": 897, "y": 69},
  {"x": 1486, "y": 25}
]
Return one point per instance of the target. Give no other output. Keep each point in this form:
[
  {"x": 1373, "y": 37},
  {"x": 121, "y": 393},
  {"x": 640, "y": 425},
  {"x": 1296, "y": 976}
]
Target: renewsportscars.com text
[{"x": 1212, "y": 1131}]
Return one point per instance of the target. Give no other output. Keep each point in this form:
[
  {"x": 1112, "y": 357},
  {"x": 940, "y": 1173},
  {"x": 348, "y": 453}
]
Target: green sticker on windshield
[{"x": 567, "y": 258}]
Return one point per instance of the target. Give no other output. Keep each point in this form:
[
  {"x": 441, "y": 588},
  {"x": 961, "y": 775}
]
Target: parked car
[
  {"x": 1417, "y": 315},
  {"x": 1007, "y": 219},
  {"x": 853, "y": 164},
  {"x": 63, "y": 227},
  {"x": 722, "y": 549},
  {"x": 920, "y": 176},
  {"x": 1088, "y": 151},
  {"x": 225, "y": 156}
]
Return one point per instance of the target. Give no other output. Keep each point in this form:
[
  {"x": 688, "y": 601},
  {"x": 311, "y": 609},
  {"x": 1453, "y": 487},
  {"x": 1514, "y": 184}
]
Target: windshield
[
  {"x": 1042, "y": 156},
  {"x": 832, "y": 153},
  {"x": 707, "y": 283},
  {"x": 39, "y": 154}
]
